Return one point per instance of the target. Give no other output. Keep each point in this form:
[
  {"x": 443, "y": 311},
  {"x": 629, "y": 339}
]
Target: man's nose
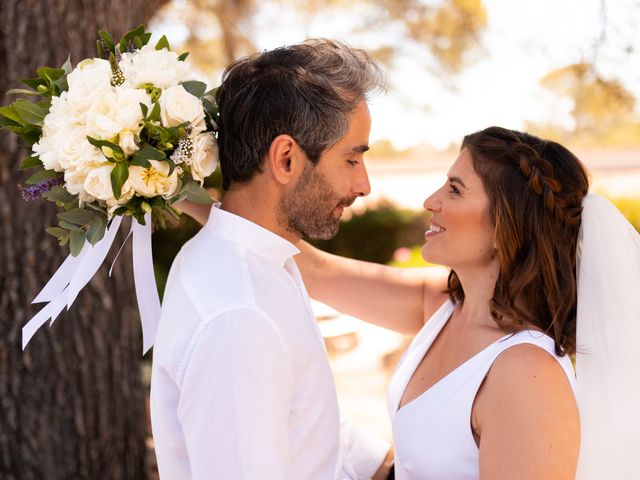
[{"x": 360, "y": 182}]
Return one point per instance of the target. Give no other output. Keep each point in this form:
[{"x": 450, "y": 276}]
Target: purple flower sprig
[{"x": 33, "y": 192}]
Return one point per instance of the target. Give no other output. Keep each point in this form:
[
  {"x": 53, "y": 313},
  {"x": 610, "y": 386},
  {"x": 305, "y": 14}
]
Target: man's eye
[
  {"x": 454, "y": 189},
  {"x": 353, "y": 163}
]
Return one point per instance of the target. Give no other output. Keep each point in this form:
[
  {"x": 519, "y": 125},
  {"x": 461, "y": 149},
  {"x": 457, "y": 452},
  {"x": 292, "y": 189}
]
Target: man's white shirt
[{"x": 241, "y": 386}]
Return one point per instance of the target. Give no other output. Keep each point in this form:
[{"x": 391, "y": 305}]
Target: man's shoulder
[{"x": 215, "y": 273}]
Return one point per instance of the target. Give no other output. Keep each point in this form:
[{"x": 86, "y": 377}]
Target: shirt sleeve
[
  {"x": 363, "y": 451},
  {"x": 234, "y": 402}
]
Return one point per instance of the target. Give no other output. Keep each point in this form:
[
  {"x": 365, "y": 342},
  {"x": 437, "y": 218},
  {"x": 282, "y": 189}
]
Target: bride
[{"x": 487, "y": 388}]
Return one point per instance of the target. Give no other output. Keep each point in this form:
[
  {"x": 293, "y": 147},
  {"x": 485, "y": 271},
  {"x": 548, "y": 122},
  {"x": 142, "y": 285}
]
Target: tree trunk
[{"x": 72, "y": 405}]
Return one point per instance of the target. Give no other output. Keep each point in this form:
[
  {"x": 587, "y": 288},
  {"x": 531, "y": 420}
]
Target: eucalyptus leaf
[
  {"x": 30, "y": 162},
  {"x": 59, "y": 194},
  {"x": 119, "y": 175},
  {"x": 195, "y": 88},
  {"x": 41, "y": 175},
  {"x": 195, "y": 193},
  {"x": 96, "y": 230},
  {"x": 78, "y": 216},
  {"x": 67, "y": 66},
  {"x": 70, "y": 226},
  {"x": 76, "y": 242},
  {"x": 57, "y": 232}
]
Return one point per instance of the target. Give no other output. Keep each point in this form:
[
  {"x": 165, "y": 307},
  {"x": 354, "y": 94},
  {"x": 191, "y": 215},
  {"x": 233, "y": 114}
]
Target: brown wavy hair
[{"x": 535, "y": 189}]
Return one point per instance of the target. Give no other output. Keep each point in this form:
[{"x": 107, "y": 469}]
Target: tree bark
[{"x": 72, "y": 405}]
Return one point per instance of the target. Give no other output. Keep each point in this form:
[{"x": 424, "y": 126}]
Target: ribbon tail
[
  {"x": 145, "y": 281},
  {"x": 51, "y": 310},
  {"x": 60, "y": 280},
  {"x": 91, "y": 261}
]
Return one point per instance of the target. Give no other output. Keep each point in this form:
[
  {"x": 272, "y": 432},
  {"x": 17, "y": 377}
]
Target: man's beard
[{"x": 308, "y": 210}]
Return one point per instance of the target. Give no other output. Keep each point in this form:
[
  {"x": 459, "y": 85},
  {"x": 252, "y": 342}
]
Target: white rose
[
  {"x": 74, "y": 149},
  {"x": 155, "y": 180},
  {"x": 88, "y": 80},
  {"x": 179, "y": 106},
  {"x": 115, "y": 111},
  {"x": 45, "y": 149},
  {"x": 98, "y": 185},
  {"x": 205, "y": 156},
  {"x": 158, "y": 67},
  {"x": 76, "y": 175}
]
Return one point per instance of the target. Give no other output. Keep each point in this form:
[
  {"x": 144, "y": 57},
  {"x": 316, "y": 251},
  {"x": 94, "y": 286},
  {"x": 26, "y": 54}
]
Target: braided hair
[{"x": 535, "y": 189}]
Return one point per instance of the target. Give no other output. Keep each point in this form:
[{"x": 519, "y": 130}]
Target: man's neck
[{"x": 259, "y": 207}]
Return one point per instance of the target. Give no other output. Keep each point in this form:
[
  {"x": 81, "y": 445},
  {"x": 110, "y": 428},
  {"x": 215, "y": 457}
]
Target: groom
[{"x": 241, "y": 386}]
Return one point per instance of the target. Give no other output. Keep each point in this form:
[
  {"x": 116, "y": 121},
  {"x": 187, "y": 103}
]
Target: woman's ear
[{"x": 285, "y": 159}]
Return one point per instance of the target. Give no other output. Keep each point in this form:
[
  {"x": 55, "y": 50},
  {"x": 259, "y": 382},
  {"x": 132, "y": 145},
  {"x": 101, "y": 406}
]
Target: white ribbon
[{"x": 75, "y": 272}]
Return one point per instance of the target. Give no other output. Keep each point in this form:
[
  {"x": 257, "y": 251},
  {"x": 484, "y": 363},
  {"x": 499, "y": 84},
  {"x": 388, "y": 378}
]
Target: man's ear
[{"x": 285, "y": 158}]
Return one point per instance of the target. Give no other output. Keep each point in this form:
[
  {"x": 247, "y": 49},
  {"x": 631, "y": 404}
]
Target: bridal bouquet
[{"x": 127, "y": 133}]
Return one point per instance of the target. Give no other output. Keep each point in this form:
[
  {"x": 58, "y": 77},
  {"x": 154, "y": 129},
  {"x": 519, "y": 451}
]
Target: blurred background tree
[{"x": 73, "y": 403}]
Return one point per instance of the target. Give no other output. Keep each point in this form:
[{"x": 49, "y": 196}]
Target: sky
[{"x": 523, "y": 41}]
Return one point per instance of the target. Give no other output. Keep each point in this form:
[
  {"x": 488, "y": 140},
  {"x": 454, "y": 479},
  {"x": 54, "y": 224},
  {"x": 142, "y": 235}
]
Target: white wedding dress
[{"x": 432, "y": 433}]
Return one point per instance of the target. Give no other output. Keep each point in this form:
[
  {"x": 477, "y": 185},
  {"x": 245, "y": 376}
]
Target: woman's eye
[{"x": 453, "y": 189}]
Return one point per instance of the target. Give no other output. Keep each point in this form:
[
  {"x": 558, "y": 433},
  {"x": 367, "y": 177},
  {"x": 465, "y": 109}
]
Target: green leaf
[
  {"x": 41, "y": 175},
  {"x": 22, "y": 91},
  {"x": 163, "y": 43},
  {"x": 50, "y": 74},
  {"x": 57, "y": 232},
  {"x": 70, "y": 226},
  {"x": 7, "y": 122},
  {"x": 76, "y": 242},
  {"x": 172, "y": 165},
  {"x": 30, "y": 162},
  {"x": 10, "y": 113},
  {"x": 145, "y": 37},
  {"x": 105, "y": 143},
  {"x": 119, "y": 175},
  {"x": 108, "y": 40},
  {"x": 195, "y": 88},
  {"x": 144, "y": 109},
  {"x": 67, "y": 66},
  {"x": 183, "y": 56},
  {"x": 195, "y": 193},
  {"x": 154, "y": 116},
  {"x": 29, "y": 112},
  {"x": 146, "y": 153},
  {"x": 59, "y": 194},
  {"x": 77, "y": 216},
  {"x": 96, "y": 230}
]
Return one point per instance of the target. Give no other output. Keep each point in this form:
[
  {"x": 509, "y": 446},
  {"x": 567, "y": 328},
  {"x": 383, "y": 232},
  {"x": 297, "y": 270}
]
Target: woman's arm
[
  {"x": 399, "y": 299},
  {"x": 527, "y": 418}
]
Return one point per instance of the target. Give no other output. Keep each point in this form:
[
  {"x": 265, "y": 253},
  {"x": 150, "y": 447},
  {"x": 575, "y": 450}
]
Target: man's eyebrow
[
  {"x": 358, "y": 149},
  {"x": 458, "y": 180}
]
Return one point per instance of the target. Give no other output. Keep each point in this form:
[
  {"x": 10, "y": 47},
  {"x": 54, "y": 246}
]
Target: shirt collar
[{"x": 250, "y": 235}]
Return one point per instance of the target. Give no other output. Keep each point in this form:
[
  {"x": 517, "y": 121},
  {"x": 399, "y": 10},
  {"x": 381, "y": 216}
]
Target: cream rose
[
  {"x": 98, "y": 182},
  {"x": 179, "y": 106},
  {"x": 205, "y": 156},
  {"x": 154, "y": 180},
  {"x": 158, "y": 67},
  {"x": 115, "y": 111}
]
